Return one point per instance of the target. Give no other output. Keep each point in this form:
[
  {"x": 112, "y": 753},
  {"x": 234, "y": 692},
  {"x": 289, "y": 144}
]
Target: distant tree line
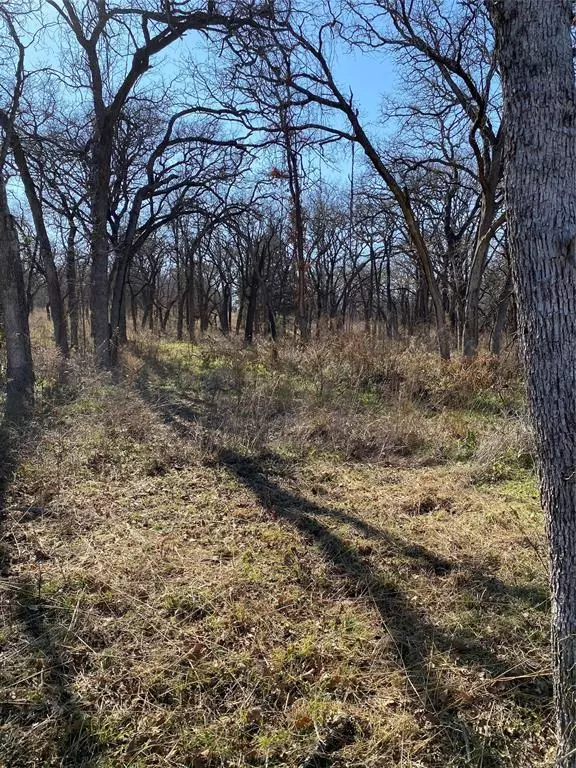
[{"x": 140, "y": 191}]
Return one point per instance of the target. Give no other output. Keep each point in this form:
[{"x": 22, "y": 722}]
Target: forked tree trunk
[
  {"x": 471, "y": 329},
  {"x": 125, "y": 254},
  {"x": 19, "y": 368},
  {"x": 486, "y": 228},
  {"x": 535, "y": 56}
]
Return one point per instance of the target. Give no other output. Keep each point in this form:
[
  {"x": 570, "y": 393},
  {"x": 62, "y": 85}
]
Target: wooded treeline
[{"x": 186, "y": 166}]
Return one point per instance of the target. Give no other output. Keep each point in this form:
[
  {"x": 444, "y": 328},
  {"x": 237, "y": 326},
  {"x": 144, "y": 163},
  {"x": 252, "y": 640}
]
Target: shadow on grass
[
  {"x": 179, "y": 410},
  {"x": 49, "y": 727},
  {"x": 176, "y": 408},
  {"x": 414, "y": 636}
]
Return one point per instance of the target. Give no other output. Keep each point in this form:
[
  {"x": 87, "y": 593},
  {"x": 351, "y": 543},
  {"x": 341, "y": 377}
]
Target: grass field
[{"x": 331, "y": 556}]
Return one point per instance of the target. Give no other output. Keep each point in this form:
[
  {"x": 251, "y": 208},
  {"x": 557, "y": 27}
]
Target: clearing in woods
[{"x": 329, "y": 558}]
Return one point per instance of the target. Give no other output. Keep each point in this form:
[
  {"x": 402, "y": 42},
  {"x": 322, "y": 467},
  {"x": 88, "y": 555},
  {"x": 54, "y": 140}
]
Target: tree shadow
[
  {"x": 414, "y": 635},
  {"x": 176, "y": 409},
  {"x": 411, "y": 631},
  {"x": 36, "y": 632},
  {"x": 76, "y": 744}
]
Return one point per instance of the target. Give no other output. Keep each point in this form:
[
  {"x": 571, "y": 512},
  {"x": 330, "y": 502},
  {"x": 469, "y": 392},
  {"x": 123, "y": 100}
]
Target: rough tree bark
[
  {"x": 118, "y": 304},
  {"x": 71, "y": 284},
  {"x": 99, "y": 244},
  {"x": 19, "y": 368},
  {"x": 535, "y": 55},
  {"x": 255, "y": 285},
  {"x": 224, "y": 309}
]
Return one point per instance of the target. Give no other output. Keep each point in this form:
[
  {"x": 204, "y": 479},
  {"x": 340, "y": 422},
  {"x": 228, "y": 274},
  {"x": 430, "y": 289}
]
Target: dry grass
[{"x": 232, "y": 560}]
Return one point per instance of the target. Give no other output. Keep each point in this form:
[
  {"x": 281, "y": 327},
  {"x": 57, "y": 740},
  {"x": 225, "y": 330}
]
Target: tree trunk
[
  {"x": 501, "y": 315},
  {"x": 164, "y": 317},
  {"x": 30, "y": 289},
  {"x": 19, "y": 368},
  {"x": 100, "y": 182},
  {"x": 71, "y": 284},
  {"x": 251, "y": 309},
  {"x": 391, "y": 312},
  {"x": 134, "y": 311},
  {"x": 58, "y": 316},
  {"x": 180, "y": 293},
  {"x": 122, "y": 326},
  {"x": 536, "y": 63},
  {"x": 297, "y": 231},
  {"x": 224, "y": 310},
  {"x": 421, "y": 316},
  {"x": 125, "y": 254},
  {"x": 191, "y": 284},
  {"x": 118, "y": 305},
  {"x": 180, "y": 316},
  {"x": 486, "y": 227},
  {"x": 53, "y": 288},
  {"x": 240, "y": 316}
]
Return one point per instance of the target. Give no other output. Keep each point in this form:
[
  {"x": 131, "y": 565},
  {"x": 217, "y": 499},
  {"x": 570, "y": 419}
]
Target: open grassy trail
[{"x": 334, "y": 558}]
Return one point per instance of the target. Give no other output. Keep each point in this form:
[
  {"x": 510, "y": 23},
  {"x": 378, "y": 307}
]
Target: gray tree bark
[
  {"x": 535, "y": 56},
  {"x": 20, "y": 371},
  {"x": 99, "y": 244},
  {"x": 71, "y": 283}
]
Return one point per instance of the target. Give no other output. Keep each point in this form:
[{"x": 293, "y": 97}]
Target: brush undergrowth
[{"x": 332, "y": 556}]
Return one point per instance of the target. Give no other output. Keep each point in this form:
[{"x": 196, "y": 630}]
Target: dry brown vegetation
[{"x": 329, "y": 557}]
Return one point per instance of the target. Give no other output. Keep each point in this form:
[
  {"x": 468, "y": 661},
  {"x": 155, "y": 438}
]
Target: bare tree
[
  {"x": 306, "y": 76},
  {"x": 18, "y": 140},
  {"x": 117, "y": 44},
  {"x": 449, "y": 55},
  {"x": 20, "y": 371}
]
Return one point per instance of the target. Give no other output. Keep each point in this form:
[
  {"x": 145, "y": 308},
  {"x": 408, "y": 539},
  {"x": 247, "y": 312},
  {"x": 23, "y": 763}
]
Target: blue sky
[{"x": 370, "y": 76}]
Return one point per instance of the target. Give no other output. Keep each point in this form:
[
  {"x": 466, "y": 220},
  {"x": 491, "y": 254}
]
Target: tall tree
[
  {"x": 449, "y": 53},
  {"x": 118, "y": 43},
  {"x": 19, "y": 369},
  {"x": 536, "y": 62},
  {"x": 46, "y": 253},
  {"x": 298, "y": 61}
]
